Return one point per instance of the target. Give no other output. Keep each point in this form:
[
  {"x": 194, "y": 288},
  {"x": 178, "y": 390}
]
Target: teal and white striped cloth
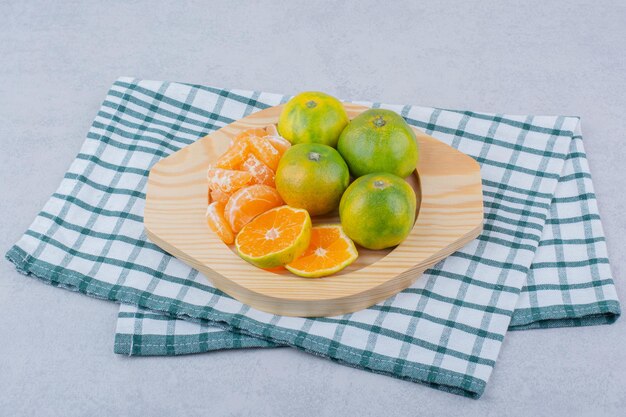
[{"x": 540, "y": 262}]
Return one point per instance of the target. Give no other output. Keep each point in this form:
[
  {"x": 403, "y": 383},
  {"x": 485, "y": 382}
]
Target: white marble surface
[{"x": 59, "y": 58}]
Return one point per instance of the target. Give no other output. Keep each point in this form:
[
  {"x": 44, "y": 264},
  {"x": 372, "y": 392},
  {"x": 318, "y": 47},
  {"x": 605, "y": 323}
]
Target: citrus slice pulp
[
  {"x": 275, "y": 238},
  {"x": 330, "y": 250}
]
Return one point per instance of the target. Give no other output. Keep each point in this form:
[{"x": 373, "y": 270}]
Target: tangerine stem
[{"x": 379, "y": 121}]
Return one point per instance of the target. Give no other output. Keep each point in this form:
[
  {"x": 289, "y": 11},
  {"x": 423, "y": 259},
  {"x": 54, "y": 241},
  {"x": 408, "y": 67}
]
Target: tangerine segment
[
  {"x": 275, "y": 238},
  {"x": 217, "y": 222},
  {"x": 227, "y": 180},
  {"x": 248, "y": 202},
  {"x": 271, "y": 130},
  {"x": 261, "y": 173},
  {"x": 217, "y": 195},
  {"x": 279, "y": 143},
  {"x": 234, "y": 156},
  {"x": 329, "y": 251},
  {"x": 264, "y": 151},
  {"x": 251, "y": 133}
]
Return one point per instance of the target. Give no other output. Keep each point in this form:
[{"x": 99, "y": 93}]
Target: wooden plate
[{"x": 449, "y": 216}]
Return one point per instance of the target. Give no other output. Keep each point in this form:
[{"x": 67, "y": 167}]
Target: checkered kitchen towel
[{"x": 541, "y": 260}]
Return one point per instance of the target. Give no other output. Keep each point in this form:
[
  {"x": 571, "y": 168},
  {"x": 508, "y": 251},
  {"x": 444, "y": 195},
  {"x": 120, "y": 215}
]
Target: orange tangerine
[
  {"x": 227, "y": 180},
  {"x": 275, "y": 238},
  {"x": 261, "y": 173},
  {"x": 330, "y": 250},
  {"x": 378, "y": 210},
  {"x": 248, "y": 202},
  {"x": 312, "y": 117},
  {"x": 312, "y": 176},
  {"x": 217, "y": 222}
]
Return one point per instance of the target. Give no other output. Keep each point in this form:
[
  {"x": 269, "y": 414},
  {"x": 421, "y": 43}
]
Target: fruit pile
[{"x": 264, "y": 189}]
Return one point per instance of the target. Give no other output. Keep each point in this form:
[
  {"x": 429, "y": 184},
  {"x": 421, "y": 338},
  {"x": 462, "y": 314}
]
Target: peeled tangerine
[
  {"x": 247, "y": 203},
  {"x": 330, "y": 250},
  {"x": 275, "y": 238},
  {"x": 217, "y": 222},
  {"x": 242, "y": 181}
]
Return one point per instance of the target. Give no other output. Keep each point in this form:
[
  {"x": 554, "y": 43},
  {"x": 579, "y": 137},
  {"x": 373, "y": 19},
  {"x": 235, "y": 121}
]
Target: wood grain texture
[{"x": 450, "y": 215}]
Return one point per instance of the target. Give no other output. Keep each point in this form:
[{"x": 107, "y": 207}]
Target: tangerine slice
[
  {"x": 217, "y": 222},
  {"x": 276, "y": 269},
  {"x": 234, "y": 156},
  {"x": 275, "y": 237},
  {"x": 247, "y": 203},
  {"x": 264, "y": 151},
  {"x": 217, "y": 195},
  {"x": 330, "y": 250},
  {"x": 261, "y": 173},
  {"x": 227, "y": 180}
]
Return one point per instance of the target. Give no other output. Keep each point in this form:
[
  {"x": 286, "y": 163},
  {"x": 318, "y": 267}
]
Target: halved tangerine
[
  {"x": 330, "y": 250},
  {"x": 247, "y": 203},
  {"x": 261, "y": 173},
  {"x": 227, "y": 180},
  {"x": 217, "y": 222},
  {"x": 275, "y": 238}
]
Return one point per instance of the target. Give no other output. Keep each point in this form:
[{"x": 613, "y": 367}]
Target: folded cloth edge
[{"x": 441, "y": 379}]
